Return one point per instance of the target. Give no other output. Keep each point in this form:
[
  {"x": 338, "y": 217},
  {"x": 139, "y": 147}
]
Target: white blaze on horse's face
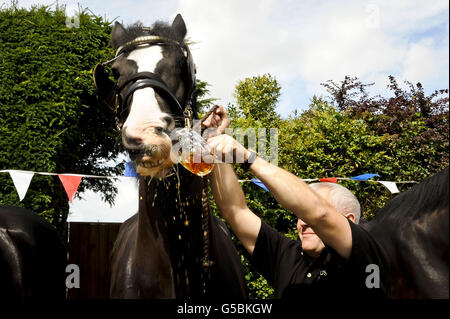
[
  {"x": 145, "y": 112},
  {"x": 144, "y": 126}
]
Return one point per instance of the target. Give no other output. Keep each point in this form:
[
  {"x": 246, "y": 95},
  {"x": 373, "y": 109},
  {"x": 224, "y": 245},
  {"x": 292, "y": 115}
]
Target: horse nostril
[
  {"x": 132, "y": 141},
  {"x": 158, "y": 130}
]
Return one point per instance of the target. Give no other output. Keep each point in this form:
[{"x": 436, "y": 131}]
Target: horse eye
[{"x": 115, "y": 73}]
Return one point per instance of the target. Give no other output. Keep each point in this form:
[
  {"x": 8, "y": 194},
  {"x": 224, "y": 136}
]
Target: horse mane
[
  {"x": 430, "y": 195},
  {"x": 137, "y": 29}
]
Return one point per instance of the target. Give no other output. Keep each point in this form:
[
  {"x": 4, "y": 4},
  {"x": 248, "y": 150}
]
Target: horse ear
[
  {"x": 179, "y": 27},
  {"x": 117, "y": 33},
  {"x": 105, "y": 87}
]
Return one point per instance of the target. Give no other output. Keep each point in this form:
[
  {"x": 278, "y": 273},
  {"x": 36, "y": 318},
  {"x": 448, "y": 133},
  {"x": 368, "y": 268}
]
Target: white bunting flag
[
  {"x": 21, "y": 181},
  {"x": 392, "y": 186}
]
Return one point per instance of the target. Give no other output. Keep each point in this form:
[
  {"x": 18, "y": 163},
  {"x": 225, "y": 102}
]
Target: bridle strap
[
  {"x": 146, "y": 39},
  {"x": 139, "y": 76},
  {"x": 144, "y": 80},
  {"x": 148, "y": 79}
]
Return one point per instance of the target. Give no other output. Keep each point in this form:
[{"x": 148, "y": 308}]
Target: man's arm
[
  {"x": 228, "y": 193},
  {"x": 233, "y": 208},
  {"x": 295, "y": 195}
]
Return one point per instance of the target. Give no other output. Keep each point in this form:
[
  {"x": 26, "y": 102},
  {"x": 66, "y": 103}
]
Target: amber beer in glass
[
  {"x": 192, "y": 152},
  {"x": 201, "y": 168}
]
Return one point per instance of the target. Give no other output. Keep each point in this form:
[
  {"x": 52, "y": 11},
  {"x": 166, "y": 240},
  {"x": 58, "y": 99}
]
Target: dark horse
[
  {"x": 173, "y": 247},
  {"x": 414, "y": 230},
  {"x": 32, "y": 256}
]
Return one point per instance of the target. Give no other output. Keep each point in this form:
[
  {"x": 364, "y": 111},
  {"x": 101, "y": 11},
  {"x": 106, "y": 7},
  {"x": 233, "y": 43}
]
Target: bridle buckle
[{"x": 188, "y": 114}]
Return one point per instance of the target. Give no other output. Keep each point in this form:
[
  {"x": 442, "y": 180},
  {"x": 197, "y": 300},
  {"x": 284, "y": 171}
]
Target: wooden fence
[{"x": 90, "y": 247}]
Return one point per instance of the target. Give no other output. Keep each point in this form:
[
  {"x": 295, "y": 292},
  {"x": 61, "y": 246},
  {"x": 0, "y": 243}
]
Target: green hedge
[{"x": 50, "y": 119}]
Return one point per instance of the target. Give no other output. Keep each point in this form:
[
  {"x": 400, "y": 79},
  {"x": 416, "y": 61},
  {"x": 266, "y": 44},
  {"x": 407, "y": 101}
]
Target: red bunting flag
[
  {"x": 70, "y": 183},
  {"x": 328, "y": 179}
]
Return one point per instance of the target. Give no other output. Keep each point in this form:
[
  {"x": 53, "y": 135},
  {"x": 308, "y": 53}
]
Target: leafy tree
[
  {"x": 415, "y": 124},
  {"x": 348, "y": 93},
  {"x": 257, "y": 98},
  {"x": 324, "y": 142},
  {"x": 50, "y": 119}
]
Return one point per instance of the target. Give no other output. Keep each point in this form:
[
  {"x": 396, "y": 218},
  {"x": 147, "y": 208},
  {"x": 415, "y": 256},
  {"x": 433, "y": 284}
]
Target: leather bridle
[{"x": 143, "y": 80}]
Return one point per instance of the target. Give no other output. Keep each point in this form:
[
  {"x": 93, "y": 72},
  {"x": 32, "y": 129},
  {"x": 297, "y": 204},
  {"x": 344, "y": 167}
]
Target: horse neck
[
  {"x": 172, "y": 201},
  {"x": 171, "y": 220}
]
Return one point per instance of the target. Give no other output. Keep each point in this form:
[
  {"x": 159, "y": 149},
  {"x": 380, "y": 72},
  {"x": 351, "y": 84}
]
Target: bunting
[
  {"x": 130, "y": 170},
  {"x": 71, "y": 182},
  {"x": 21, "y": 181},
  {"x": 259, "y": 183},
  {"x": 364, "y": 177},
  {"x": 328, "y": 180},
  {"x": 391, "y": 186}
]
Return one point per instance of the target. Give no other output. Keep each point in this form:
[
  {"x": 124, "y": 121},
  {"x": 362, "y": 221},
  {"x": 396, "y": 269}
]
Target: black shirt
[{"x": 293, "y": 274}]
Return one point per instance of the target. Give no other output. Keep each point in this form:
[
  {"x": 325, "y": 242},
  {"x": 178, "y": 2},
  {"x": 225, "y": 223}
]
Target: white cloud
[
  {"x": 235, "y": 41},
  {"x": 421, "y": 60},
  {"x": 305, "y": 42},
  {"x": 407, "y": 16},
  {"x": 314, "y": 41}
]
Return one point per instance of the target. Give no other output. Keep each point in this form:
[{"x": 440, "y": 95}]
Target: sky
[
  {"x": 301, "y": 43},
  {"x": 91, "y": 208}
]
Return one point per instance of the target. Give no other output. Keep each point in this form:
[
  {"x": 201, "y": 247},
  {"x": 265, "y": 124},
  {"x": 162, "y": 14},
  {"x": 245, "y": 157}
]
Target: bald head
[{"x": 340, "y": 198}]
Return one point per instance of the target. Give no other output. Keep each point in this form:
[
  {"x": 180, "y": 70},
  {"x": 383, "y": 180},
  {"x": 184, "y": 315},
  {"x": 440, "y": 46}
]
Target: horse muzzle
[{"x": 150, "y": 151}]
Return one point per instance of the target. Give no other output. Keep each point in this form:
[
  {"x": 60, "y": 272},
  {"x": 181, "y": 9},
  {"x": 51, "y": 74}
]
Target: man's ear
[
  {"x": 105, "y": 87},
  {"x": 351, "y": 216}
]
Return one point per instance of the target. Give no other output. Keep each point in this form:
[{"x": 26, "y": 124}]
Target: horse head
[
  {"x": 170, "y": 248},
  {"x": 153, "y": 92}
]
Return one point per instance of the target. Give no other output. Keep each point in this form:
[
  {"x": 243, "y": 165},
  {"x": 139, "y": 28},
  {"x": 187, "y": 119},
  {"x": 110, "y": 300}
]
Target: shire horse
[
  {"x": 413, "y": 228},
  {"x": 173, "y": 247},
  {"x": 33, "y": 258}
]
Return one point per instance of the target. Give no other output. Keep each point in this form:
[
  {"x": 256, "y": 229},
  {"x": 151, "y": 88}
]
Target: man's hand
[
  {"x": 227, "y": 149},
  {"x": 217, "y": 120}
]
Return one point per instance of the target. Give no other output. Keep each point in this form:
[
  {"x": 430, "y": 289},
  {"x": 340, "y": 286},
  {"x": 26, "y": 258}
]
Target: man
[
  {"x": 334, "y": 256},
  {"x": 342, "y": 200}
]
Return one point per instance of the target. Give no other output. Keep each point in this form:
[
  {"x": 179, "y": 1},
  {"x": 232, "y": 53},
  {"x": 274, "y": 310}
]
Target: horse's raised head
[{"x": 155, "y": 80}]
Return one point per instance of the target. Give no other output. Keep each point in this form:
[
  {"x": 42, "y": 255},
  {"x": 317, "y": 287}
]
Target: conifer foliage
[{"x": 50, "y": 119}]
